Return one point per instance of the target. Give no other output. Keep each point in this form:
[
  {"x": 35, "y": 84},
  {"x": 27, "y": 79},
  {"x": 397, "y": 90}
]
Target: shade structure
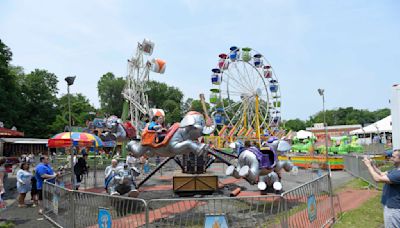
[{"x": 67, "y": 139}]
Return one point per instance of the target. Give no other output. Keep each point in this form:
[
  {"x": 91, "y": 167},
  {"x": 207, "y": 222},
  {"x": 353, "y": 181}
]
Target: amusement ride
[
  {"x": 246, "y": 95},
  {"x": 139, "y": 68}
]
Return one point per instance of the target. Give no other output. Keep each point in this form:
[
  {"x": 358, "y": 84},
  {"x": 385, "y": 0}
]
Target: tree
[
  {"x": 295, "y": 125},
  {"x": 110, "y": 90},
  {"x": 10, "y": 105},
  {"x": 80, "y": 109},
  {"x": 38, "y": 90},
  {"x": 166, "y": 97},
  {"x": 348, "y": 116}
]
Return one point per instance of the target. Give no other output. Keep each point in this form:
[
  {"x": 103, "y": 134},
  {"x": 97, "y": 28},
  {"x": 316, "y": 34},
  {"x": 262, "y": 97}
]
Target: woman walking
[{"x": 24, "y": 183}]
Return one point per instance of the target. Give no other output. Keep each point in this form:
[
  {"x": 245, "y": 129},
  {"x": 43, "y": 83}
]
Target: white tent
[
  {"x": 302, "y": 134},
  {"x": 383, "y": 125}
]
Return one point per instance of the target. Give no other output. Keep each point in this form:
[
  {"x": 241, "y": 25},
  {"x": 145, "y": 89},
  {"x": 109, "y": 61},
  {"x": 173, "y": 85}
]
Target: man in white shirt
[{"x": 130, "y": 160}]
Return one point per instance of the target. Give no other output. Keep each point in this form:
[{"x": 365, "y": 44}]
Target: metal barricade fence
[
  {"x": 354, "y": 165},
  {"x": 257, "y": 211},
  {"x": 69, "y": 208},
  {"x": 374, "y": 148},
  {"x": 309, "y": 205},
  {"x": 124, "y": 211},
  {"x": 57, "y": 204}
]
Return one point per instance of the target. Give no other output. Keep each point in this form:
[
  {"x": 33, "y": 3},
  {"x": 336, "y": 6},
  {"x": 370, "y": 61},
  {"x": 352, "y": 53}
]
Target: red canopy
[{"x": 5, "y": 132}]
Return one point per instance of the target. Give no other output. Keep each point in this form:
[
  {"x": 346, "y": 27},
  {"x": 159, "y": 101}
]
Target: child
[{"x": 34, "y": 191}]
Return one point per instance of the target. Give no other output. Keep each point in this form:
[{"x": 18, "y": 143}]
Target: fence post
[
  {"x": 72, "y": 201},
  {"x": 147, "y": 214},
  {"x": 285, "y": 213},
  {"x": 95, "y": 170},
  {"x": 331, "y": 196}
]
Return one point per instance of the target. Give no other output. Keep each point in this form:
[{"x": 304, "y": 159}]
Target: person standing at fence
[
  {"x": 391, "y": 190},
  {"x": 34, "y": 190},
  {"x": 43, "y": 172},
  {"x": 23, "y": 183},
  {"x": 80, "y": 168}
]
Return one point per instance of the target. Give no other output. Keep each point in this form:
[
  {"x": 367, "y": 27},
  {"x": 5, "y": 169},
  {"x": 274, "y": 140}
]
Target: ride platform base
[{"x": 193, "y": 184}]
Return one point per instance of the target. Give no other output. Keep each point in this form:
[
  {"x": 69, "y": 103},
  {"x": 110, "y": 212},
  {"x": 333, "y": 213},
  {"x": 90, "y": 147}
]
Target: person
[
  {"x": 43, "y": 172},
  {"x": 156, "y": 124},
  {"x": 31, "y": 158},
  {"x": 142, "y": 161},
  {"x": 109, "y": 174},
  {"x": 146, "y": 166},
  {"x": 2, "y": 181},
  {"x": 23, "y": 183},
  {"x": 80, "y": 168},
  {"x": 391, "y": 190},
  {"x": 117, "y": 155},
  {"x": 130, "y": 160},
  {"x": 34, "y": 190}
]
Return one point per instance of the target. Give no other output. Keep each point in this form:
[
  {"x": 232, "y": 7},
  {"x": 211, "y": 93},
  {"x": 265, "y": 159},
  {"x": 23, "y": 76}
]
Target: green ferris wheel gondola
[{"x": 214, "y": 96}]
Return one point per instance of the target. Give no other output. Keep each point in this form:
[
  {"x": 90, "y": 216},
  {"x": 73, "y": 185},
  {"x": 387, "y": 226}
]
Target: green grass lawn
[{"x": 369, "y": 214}]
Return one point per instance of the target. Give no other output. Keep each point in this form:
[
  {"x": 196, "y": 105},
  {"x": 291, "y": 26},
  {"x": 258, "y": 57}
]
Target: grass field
[{"x": 369, "y": 214}]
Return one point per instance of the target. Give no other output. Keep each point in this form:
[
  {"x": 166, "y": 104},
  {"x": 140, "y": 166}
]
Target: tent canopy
[
  {"x": 383, "y": 125},
  {"x": 302, "y": 134}
]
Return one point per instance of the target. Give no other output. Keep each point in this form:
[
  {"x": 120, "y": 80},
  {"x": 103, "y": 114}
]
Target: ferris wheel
[
  {"x": 137, "y": 78},
  {"x": 246, "y": 93}
]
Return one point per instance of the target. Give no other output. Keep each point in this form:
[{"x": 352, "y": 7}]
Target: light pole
[
  {"x": 321, "y": 93},
  {"x": 70, "y": 81}
]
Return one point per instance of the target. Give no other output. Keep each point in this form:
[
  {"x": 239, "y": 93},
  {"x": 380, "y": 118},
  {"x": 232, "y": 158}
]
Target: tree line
[
  {"x": 30, "y": 102},
  {"x": 340, "y": 116}
]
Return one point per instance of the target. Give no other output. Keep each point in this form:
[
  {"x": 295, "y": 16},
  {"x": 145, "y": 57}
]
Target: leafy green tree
[
  {"x": 10, "y": 105},
  {"x": 166, "y": 97},
  {"x": 39, "y": 89},
  {"x": 348, "y": 116},
  {"x": 295, "y": 125},
  {"x": 110, "y": 90},
  {"x": 80, "y": 112}
]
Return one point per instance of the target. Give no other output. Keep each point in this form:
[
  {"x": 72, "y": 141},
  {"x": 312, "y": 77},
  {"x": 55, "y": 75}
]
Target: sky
[{"x": 349, "y": 48}]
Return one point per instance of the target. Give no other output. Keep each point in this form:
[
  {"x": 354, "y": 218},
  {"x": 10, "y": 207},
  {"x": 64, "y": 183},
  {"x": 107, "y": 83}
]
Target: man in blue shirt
[
  {"x": 43, "y": 171},
  {"x": 391, "y": 190}
]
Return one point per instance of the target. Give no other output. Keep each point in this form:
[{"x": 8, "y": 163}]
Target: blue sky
[{"x": 349, "y": 48}]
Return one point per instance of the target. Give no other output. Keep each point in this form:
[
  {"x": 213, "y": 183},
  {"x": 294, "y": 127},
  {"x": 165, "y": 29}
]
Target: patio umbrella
[{"x": 81, "y": 139}]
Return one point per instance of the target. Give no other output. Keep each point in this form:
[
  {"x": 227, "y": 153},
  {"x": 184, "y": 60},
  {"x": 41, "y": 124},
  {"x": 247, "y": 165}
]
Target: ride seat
[{"x": 149, "y": 137}]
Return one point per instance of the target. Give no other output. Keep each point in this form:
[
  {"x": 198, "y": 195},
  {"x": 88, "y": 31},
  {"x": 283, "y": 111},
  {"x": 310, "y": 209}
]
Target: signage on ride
[
  {"x": 311, "y": 208},
  {"x": 215, "y": 221},
  {"x": 104, "y": 218}
]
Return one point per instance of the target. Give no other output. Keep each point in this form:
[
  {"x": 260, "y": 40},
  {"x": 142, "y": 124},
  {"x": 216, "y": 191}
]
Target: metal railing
[
  {"x": 69, "y": 208},
  {"x": 238, "y": 211},
  {"x": 298, "y": 203},
  {"x": 354, "y": 165}
]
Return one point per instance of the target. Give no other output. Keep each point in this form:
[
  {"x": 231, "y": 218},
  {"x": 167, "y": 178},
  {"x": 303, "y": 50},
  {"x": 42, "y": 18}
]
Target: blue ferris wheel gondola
[
  {"x": 257, "y": 60},
  {"x": 233, "y": 55},
  {"x": 216, "y": 77}
]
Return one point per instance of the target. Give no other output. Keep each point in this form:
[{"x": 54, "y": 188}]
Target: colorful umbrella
[{"x": 81, "y": 139}]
